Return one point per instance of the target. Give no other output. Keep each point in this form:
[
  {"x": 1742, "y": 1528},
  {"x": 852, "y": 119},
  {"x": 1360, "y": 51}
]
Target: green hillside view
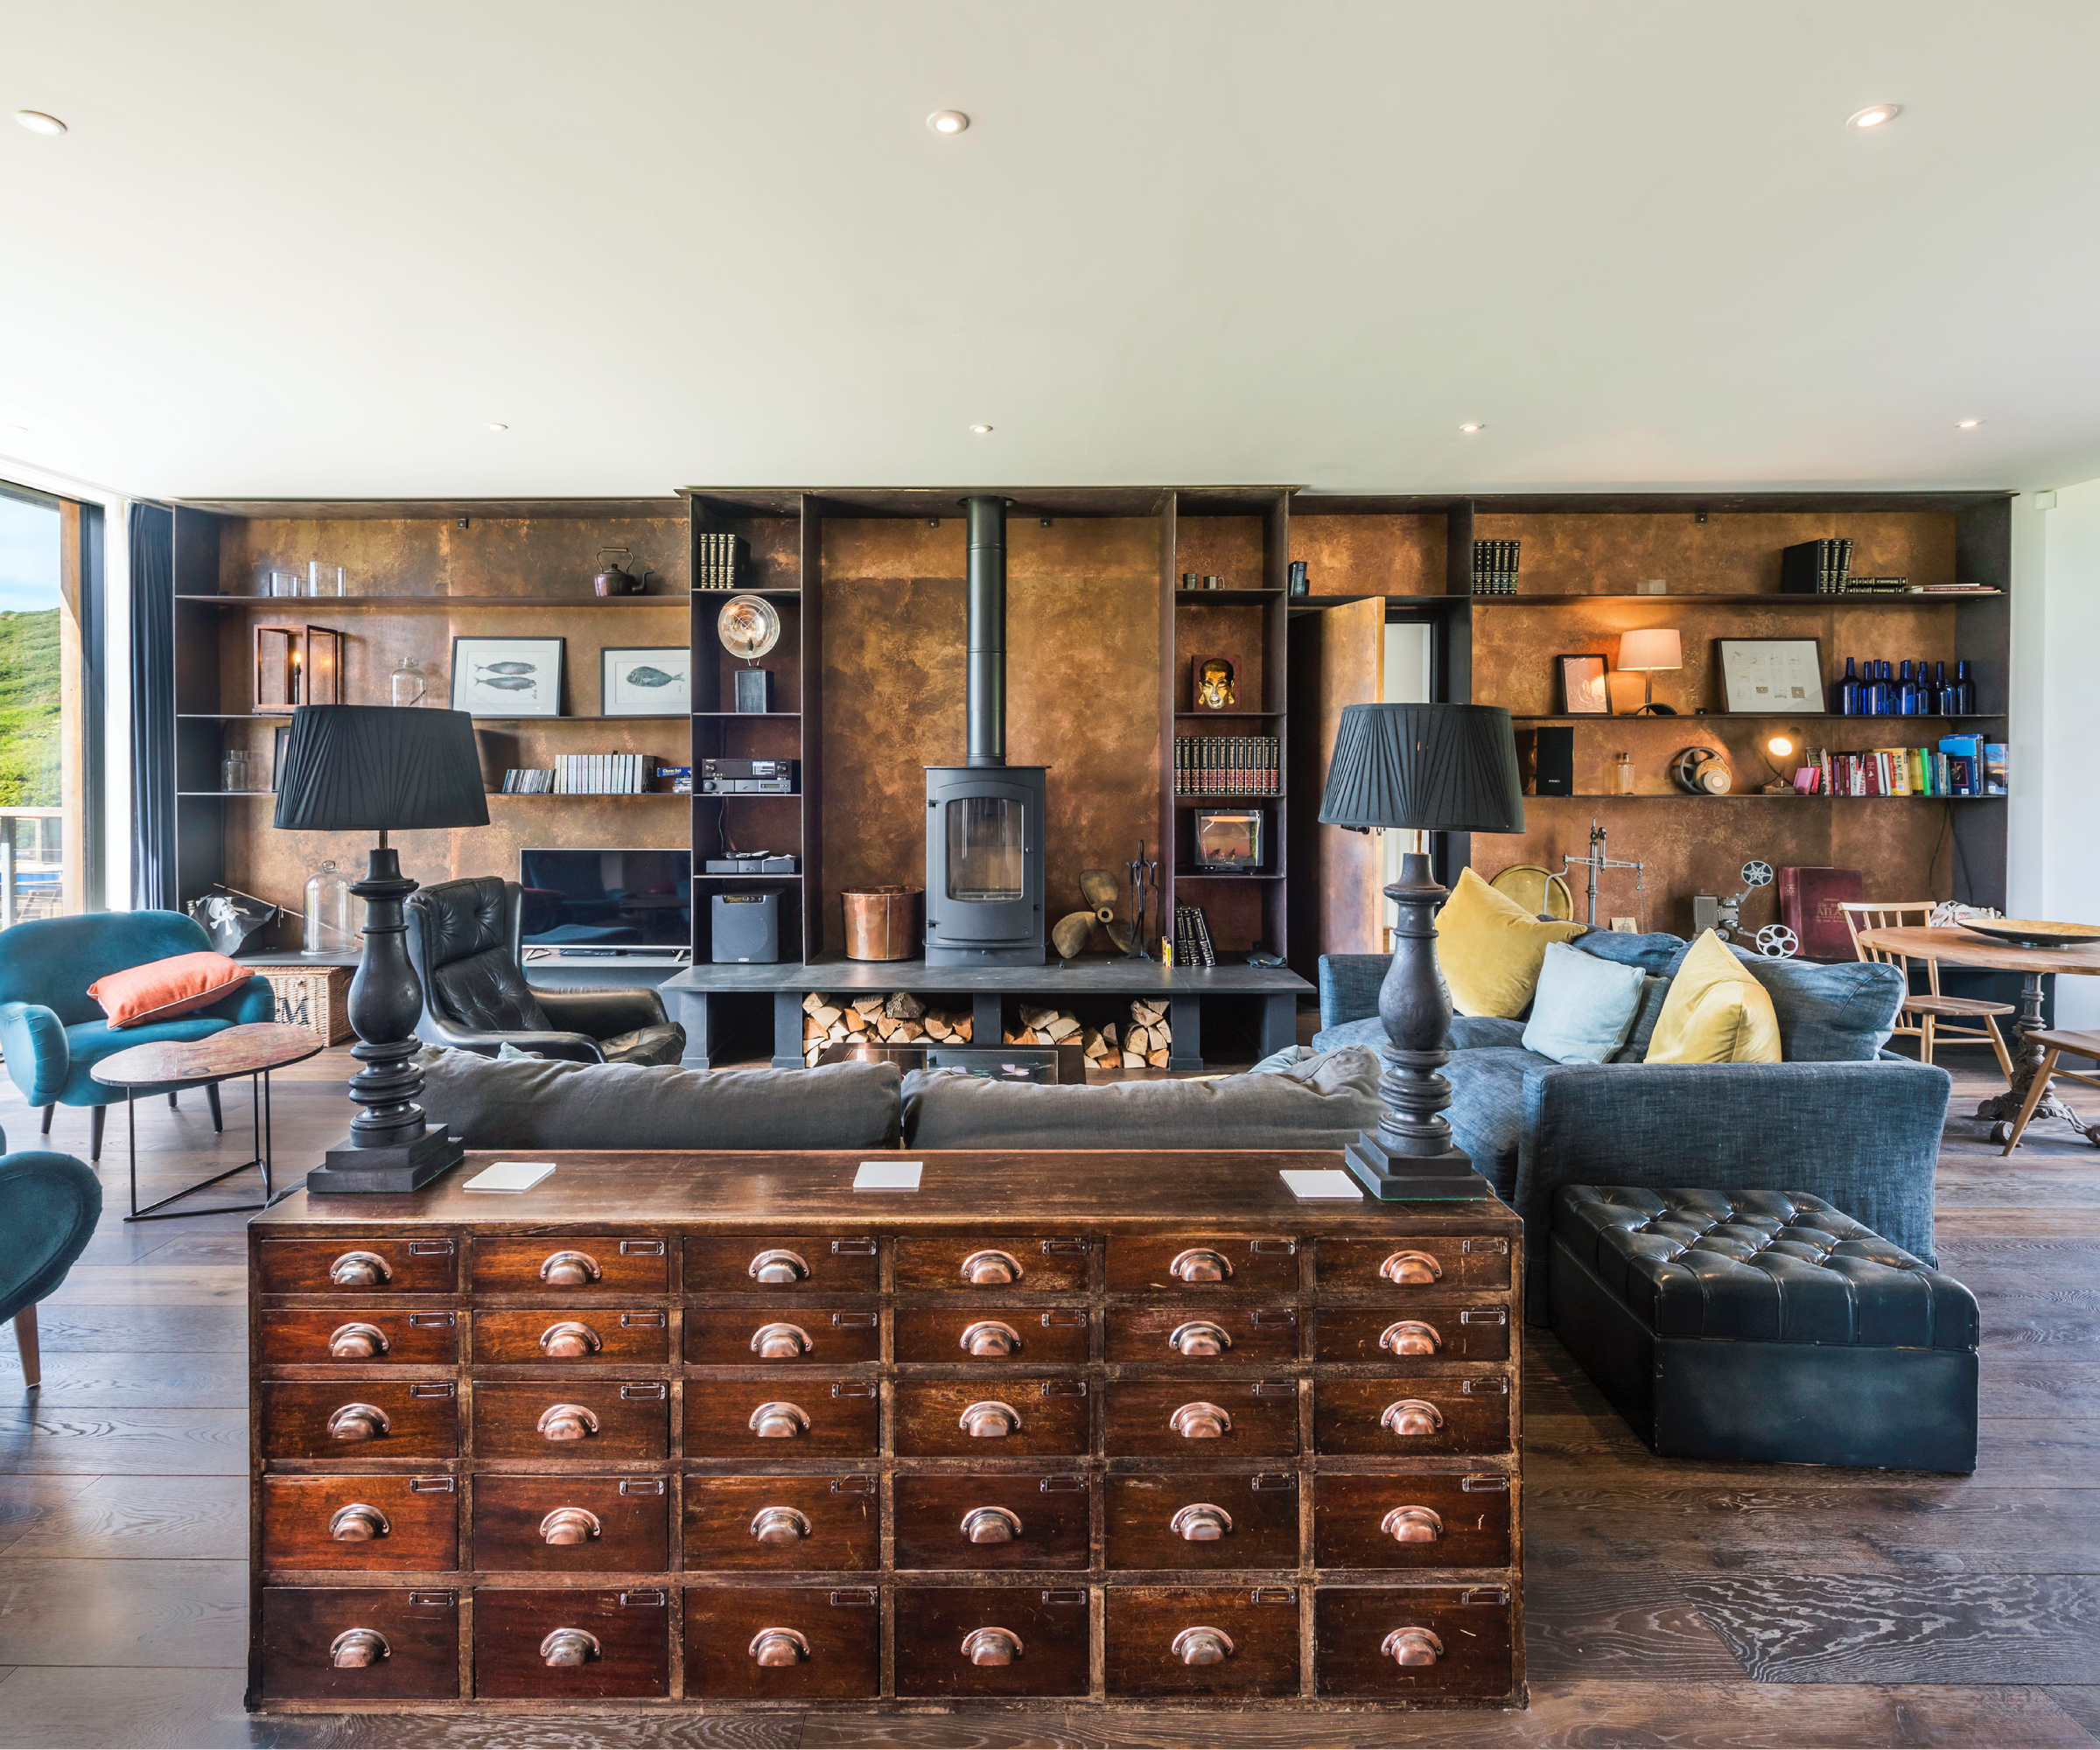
[{"x": 29, "y": 709}]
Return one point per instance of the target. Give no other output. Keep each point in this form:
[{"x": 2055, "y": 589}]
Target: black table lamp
[
  {"x": 379, "y": 768},
  {"x": 1437, "y": 769}
]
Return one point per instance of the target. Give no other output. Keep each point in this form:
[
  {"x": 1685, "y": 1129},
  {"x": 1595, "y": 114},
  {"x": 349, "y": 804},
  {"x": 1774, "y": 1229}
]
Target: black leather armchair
[{"x": 463, "y": 944}]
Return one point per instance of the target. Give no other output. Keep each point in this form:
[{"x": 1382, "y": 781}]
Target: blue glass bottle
[
  {"x": 1878, "y": 695},
  {"x": 1907, "y": 691},
  {"x": 1845, "y": 697},
  {"x": 1964, "y": 689},
  {"x": 1942, "y": 696}
]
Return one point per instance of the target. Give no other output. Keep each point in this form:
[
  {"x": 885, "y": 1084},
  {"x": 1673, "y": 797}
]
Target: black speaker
[
  {"x": 1555, "y": 760},
  {"x": 747, "y": 928},
  {"x": 754, "y": 689}
]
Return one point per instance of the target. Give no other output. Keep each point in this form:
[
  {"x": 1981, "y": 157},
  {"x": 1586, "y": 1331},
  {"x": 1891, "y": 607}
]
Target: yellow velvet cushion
[
  {"x": 1716, "y": 1011},
  {"x": 1490, "y": 948}
]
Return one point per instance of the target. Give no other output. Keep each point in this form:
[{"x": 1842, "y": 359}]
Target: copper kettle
[{"x": 611, "y": 580}]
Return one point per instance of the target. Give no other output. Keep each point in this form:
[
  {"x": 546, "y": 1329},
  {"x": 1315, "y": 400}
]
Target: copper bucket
[{"x": 882, "y": 923}]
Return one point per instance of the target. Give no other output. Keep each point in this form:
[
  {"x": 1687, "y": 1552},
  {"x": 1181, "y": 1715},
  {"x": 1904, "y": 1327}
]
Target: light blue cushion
[{"x": 1583, "y": 1008}]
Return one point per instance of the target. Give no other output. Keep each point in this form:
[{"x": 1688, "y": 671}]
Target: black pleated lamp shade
[
  {"x": 373, "y": 768},
  {"x": 1443, "y": 768}
]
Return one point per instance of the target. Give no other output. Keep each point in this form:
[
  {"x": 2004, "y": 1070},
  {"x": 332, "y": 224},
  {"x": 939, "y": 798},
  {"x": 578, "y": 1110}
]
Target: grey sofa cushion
[
  {"x": 1487, "y": 1108},
  {"x": 1654, "y": 992},
  {"x": 1369, "y": 1032},
  {"x": 1830, "y": 1014},
  {"x": 1656, "y": 954},
  {"x": 1322, "y": 1104},
  {"x": 1468, "y": 1033},
  {"x": 538, "y": 1102}
]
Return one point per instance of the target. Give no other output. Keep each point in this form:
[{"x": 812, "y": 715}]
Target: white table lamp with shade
[{"x": 1646, "y": 651}]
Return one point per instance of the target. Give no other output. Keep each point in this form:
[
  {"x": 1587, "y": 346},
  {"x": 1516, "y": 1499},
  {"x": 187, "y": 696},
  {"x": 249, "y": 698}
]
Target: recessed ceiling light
[
  {"x": 981, "y": 430},
  {"x": 948, "y": 121},
  {"x": 498, "y": 425},
  {"x": 1473, "y": 425},
  {"x": 37, "y": 123},
  {"x": 1875, "y": 116},
  {"x": 1967, "y": 424}
]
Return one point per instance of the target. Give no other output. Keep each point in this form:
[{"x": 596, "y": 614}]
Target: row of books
[
  {"x": 1191, "y": 938},
  {"x": 1495, "y": 567},
  {"x": 717, "y": 559},
  {"x": 1816, "y": 568},
  {"x": 531, "y": 782},
  {"x": 1960, "y": 765},
  {"x": 602, "y": 774},
  {"x": 1228, "y": 766}
]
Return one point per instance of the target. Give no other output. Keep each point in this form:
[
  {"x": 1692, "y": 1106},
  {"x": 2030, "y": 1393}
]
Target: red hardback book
[{"x": 1808, "y": 905}]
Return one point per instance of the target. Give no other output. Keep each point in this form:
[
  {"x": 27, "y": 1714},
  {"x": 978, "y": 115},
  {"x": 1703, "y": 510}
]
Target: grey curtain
[{"x": 153, "y": 878}]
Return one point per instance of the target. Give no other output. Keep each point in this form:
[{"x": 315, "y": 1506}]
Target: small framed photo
[
  {"x": 1582, "y": 691},
  {"x": 1779, "y": 677},
  {"x": 507, "y": 677},
  {"x": 646, "y": 680}
]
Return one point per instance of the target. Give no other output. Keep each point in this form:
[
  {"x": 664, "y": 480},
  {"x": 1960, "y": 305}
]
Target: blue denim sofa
[{"x": 1840, "y": 1118}]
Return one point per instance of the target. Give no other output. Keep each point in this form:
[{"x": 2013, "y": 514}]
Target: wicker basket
[{"x": 316, "y": 997}]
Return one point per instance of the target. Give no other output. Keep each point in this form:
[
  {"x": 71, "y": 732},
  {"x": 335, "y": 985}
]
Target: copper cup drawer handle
[
  {"x": 779, "y": 1647},
  {"x": 991, "y": 1270},
  {"x": 991, "y": 1646},
  {"x": 1411, "y": 1337},
  {"x": 356, "y": 1647},
  {"x": 1200, "y": 1422},
  {"x": 1411, "y": 1416},
  {"x": 359, "y": 1422},
  {"x": 570, "y": 1337},
  {"x": 1201, "y": 1522},
  {"x": 1412, "y": 1647},
  {"x": 566, "y": 1422},
  {"x": 570, "y": 1525},
  {"x": 990, "y": 1337},
  {"x": 1411, "y": 1268},
  {"x": 1199, "y": 1337},
  {"x": 780, "y": 1525},
  {"x": 361, "y": 1270},
  {"x": 355, "y": 1523},
  {"x": 778, "y": 1269},
  {"x": 356, "y": 1342},
  {"x": 779, "y": 1421},
  {"x": 991, "y": 1525},
  {"x": 1202, "y": 1646},
  {"x": 781, "y": 1343},
  {"x": 990, "y": 1421},
  {"x": 569, "y": 1270},
  {"x": 1201, "y": 1264},
  {"x": 571, "y": 1646},
  {"x": 1413, "y": 1525}
]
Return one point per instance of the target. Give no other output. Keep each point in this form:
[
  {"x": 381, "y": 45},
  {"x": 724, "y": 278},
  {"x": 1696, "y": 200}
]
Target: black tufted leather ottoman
[{"x": 1764, "y": 1324}]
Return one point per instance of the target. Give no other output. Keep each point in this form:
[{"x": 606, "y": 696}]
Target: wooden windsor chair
[
  {"x": 1927, "y": 1016},
  {"x": 2054, "y": 1042}
]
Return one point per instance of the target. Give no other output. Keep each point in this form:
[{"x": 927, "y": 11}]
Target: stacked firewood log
[
  {"x": 1143, "y": 1042},
  {"x": 899, "y": 1019}
]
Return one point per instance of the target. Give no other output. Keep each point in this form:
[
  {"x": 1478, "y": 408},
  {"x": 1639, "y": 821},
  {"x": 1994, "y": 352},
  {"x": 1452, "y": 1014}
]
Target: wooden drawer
[
  {"x": 1431, "y": 1416},
  {"x": 1024, "y": 1418},
  {"x": 398, "y": 1524},
  {"x": 993, "y": 1522},
  {"x": 590, "y": 1265},
  {"x": 1178, "y": 1335},
  {"x": 409, "y": 1643},
  {"x": 369, "y": 1266},
  {"x": 991, "y": 1334},
  {"x": 810, "y": 1336},
  {"x": 805, "y": 1417},
  {"x": 1045, "y": 1640},
  {"x": 1204, "y": 1264},
  {"x": 1238, "y": 1522},
  {"x": 1144, "y": 1419},
  {"x": 562, "y": 1524},
  {"x": 359, "y": 1420},
  {"x": 356, "y": 1336},
  {"x": 1434, "y": 1331},
  {"x": 783, "y": 1643},
  {"x": 573, "y": 1336},
  {"x": 779, "y": 1264},
  {"x": 1468, "y": 1645},
  {"x": 1411, "y": 1520},
  {"x": 814, "y": 1525},
  {"x": 1055, "y": 1265},
  {"x": 621, "y": 1639},
  {"x": 1242, "y": 1641},
  {"x": 584, "y": 1419},
  {"x": 1416, "y": 1266}
]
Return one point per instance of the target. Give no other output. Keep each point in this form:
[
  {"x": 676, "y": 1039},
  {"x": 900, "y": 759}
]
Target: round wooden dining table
[{"x": 1954, "y": 946}]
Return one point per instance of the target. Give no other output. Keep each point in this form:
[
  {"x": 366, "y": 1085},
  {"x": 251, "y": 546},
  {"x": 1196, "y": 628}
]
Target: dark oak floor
[{"x": 1668, "y": 1604}]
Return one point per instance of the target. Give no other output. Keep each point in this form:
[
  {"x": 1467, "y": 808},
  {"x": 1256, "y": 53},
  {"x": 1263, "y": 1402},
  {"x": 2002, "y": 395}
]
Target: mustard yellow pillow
[
  {"x": 1716, "y": 1011},
  {"x": 1490, "y": 948}
]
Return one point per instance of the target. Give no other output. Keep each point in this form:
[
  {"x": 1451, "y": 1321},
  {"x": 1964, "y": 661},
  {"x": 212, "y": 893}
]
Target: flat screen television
[{"x": 606, "y": 898}]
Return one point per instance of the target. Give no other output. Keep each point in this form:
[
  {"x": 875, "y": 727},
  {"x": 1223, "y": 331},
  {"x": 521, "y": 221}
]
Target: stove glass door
[{"x": 987, "y": 848}]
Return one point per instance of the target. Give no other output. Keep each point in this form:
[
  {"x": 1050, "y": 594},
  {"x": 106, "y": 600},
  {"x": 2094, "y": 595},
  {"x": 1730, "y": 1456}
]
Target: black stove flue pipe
[{"x": 985, "y": 695}]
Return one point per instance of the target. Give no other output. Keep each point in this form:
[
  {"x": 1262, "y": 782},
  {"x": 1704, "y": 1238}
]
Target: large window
[{"x": 39, "y": 672}]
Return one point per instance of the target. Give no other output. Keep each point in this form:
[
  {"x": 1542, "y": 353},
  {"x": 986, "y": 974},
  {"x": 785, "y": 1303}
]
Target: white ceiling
[{"x": 290, "y": 247}]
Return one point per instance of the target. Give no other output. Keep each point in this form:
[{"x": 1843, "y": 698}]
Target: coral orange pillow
[{"x": 161, "y": 990}]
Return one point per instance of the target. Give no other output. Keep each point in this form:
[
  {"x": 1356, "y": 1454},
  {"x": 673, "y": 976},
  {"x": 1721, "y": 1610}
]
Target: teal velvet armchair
[
  {"x": 53, "y": 1033},
  {"x": 49, "y": 1204}
]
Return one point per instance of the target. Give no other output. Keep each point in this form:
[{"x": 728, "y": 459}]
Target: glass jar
[
  {"x": 328, "y": 928},
  {"x": 1625, "y": 774},
  {"x": 236, "y": 775},
  {"x": 408, "y": 681}
]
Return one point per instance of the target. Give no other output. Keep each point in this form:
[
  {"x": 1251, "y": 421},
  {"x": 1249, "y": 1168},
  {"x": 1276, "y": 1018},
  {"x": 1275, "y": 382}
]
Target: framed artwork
[
  {"x": 505, "y": 677},
  {"x": 1781, "y": 676},
  {"x": 1212, "y": 683},
  {"x": 1583, "y": 692},
  {"x": 647, "y": 680}
]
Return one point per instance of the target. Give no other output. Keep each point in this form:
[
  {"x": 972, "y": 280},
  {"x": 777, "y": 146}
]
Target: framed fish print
[
  {"x": 651, "y": 681},
  {"x": 507, "y": 677}
]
